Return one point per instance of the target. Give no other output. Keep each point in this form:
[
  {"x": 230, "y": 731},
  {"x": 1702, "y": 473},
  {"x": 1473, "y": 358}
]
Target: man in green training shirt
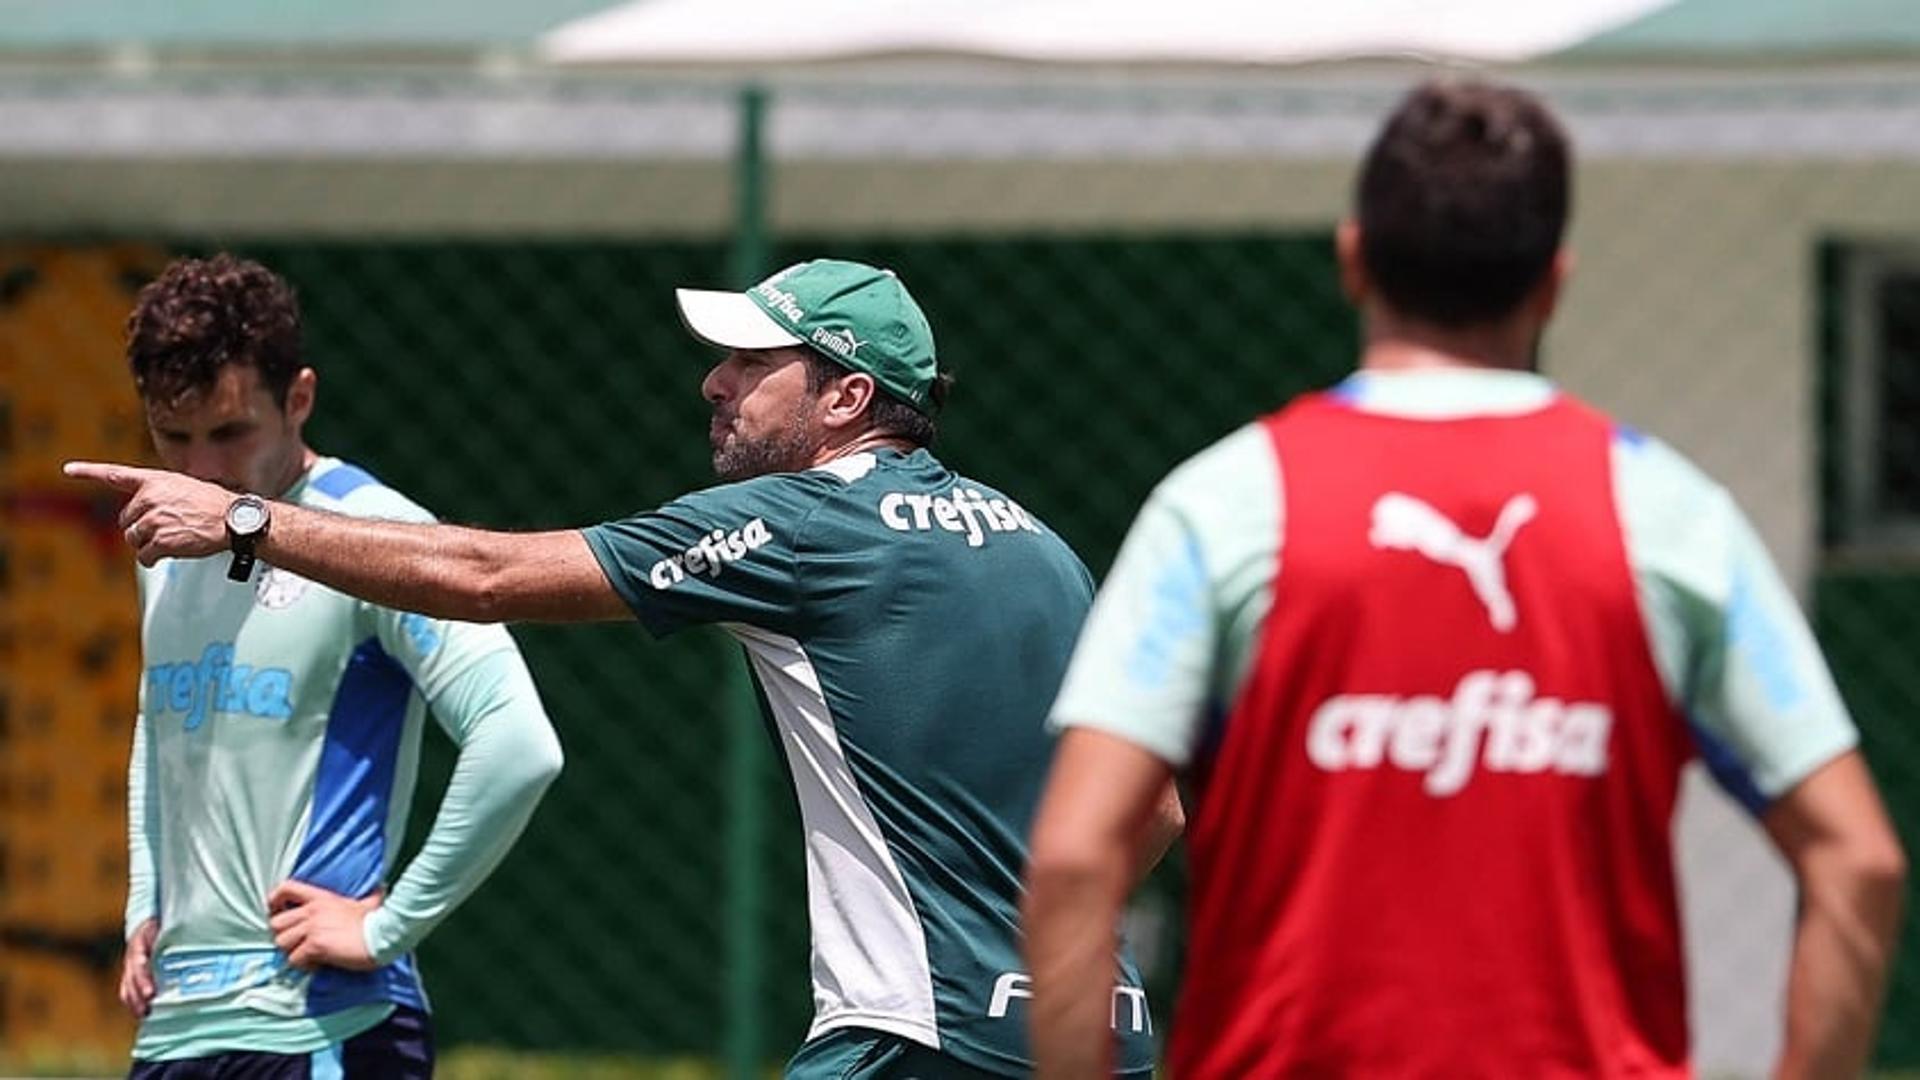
[
  {"x": 278, "y": 734},
  {"x": 907, "y": 628}
]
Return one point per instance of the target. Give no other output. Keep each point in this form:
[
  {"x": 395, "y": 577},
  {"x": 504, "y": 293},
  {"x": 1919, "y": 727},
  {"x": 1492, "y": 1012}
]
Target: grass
[
  {"x": 492, "y": 1063},
  {"x": 496, "y": 1063},
  {"x": 457, "y": 1063}
]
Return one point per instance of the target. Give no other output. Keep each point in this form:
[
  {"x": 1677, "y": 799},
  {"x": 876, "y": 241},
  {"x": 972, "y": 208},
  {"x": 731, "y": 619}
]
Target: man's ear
[
  {"x": 300, "y": 396},
  {"x": 848, "y": 399},
  {"x": 1546, "y": 294},
  {"x": 1353, "y": 268}
]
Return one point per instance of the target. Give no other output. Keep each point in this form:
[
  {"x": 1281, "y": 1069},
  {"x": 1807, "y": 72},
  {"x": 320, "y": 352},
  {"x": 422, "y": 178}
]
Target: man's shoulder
[
  {"x": 785, "y": 495},
  {"x": 346, "y": 488},
  {"x": 1649, "y": 469},
  {"x": 1226, "y": 470}
]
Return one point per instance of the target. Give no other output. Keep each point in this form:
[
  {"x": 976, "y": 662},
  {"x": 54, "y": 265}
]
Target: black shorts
[{"x": 397, "y": 1048}]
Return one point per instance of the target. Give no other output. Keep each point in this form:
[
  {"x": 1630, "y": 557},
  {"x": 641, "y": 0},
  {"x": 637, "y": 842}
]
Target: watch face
[{"x": 246, "y": 516}]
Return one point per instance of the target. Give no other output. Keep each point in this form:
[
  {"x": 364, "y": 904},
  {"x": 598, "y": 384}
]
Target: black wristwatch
[{"x": 247, "y": 521}]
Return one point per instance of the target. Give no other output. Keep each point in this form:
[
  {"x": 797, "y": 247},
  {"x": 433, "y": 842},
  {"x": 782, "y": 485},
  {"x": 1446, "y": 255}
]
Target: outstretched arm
[
  {"x": 1088, "y": 849},
  {"x": 1836, "y": 837},
  {"x": 445, "y": 571}
]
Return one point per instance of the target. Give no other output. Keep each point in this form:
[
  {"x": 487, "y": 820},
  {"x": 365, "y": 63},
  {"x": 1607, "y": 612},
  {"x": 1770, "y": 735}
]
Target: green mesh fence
[
  {"x": 1858, "y": 614},
  {"x": 1119, "y": 273},
  {"x": 1866, "y": 603},
  {"x": 537, "y": 385}
]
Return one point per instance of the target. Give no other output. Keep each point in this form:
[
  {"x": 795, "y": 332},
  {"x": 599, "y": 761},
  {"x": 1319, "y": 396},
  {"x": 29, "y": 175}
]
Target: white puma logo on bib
[{"x": 1404, "y": 523}]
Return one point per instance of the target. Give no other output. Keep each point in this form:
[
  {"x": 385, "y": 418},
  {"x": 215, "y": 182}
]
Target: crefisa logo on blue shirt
[{"x": 214, "y": 683}]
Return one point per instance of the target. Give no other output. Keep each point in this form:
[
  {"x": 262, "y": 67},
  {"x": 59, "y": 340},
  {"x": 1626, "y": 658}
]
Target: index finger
[{"x": 123, "y": 477}]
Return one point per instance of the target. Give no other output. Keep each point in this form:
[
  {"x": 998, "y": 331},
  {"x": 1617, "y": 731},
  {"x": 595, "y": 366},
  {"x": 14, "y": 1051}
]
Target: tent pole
[{"x": 746, "y": 755}]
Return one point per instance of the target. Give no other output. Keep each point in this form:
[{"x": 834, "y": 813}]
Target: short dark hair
[
  {"x": 1463, "y": 200},
  {"x": 890, "y": 415},
  {"x": 201, "y": 315}
]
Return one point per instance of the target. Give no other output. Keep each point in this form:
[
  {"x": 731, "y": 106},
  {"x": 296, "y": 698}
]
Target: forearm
[
  {"x": 472, "y": 575},
  {"x": 1070, "y": 919},
  {"x": 440, "y": 570},
  {"x": 1843, "y": 943},
  {"x": 142, "y": 895},
  {"x": 508, "y": 757},
  {"x": 1090, "y": 840}
]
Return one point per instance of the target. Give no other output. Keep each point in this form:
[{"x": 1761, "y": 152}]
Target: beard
[{"x": 789, "y": 448}]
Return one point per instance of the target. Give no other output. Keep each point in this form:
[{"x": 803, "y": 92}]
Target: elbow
[
  {"x": 1880, "y": 884},
  {"x": 1882, "y": 869},
  {"x": 551, "y": 762},
  {"x": 476, "y": 576},
  {"x": 541, "y": 762},
  {"x": 1873, "y": 861},
  {"x": 529, "y": 763},
  {"x": 1870, "y": 872},
  {"x": 486, "y": 594},
  {"x": 527, "y": 785},
  {"x": 1173, "y": 816}
]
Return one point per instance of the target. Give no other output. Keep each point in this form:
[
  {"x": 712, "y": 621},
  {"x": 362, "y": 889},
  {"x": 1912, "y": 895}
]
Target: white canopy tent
[
  {"x": 1083, "y": 31},
  {"x": 1237, "y": 32}
]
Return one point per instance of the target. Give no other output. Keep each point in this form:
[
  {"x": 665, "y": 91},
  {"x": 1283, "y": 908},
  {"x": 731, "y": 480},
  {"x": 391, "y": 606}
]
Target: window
[{"x": 1873, "y": 398}]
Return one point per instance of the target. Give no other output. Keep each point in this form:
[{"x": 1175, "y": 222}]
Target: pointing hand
[{"x": 168, "y": 515}]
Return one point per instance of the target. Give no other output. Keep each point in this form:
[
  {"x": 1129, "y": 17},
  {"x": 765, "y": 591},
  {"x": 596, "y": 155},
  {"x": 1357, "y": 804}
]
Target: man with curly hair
[{"x": 279, "y": 732}]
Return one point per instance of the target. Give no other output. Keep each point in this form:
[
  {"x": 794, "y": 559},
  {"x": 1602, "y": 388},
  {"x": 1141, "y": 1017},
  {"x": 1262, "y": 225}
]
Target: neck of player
[
  {"x": 1395, "y": 343},
  {"x": 296, "y": 469},
  {"x": 860, "y": 443}
]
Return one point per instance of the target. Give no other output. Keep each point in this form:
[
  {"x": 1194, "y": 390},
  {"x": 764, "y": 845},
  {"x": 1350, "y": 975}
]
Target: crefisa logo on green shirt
[
  {"x": 214, "y": 683},
  {"x": 711, "y": 555},
  {"x": 965, "y": 511}
]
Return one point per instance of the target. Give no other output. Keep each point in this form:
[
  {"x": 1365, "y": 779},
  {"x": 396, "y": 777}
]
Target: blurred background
[{"x": 1118, "y": 217}]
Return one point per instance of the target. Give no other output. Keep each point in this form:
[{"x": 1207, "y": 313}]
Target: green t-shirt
[{"x": 907, "y": 628}]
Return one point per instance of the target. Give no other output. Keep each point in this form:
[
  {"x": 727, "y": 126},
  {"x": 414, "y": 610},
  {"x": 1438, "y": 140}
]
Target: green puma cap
[{"x": 860, "y": 317}]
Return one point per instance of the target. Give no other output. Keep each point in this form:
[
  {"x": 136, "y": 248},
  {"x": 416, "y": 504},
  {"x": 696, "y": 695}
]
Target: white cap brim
[{"x": 730, "y": 320}]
